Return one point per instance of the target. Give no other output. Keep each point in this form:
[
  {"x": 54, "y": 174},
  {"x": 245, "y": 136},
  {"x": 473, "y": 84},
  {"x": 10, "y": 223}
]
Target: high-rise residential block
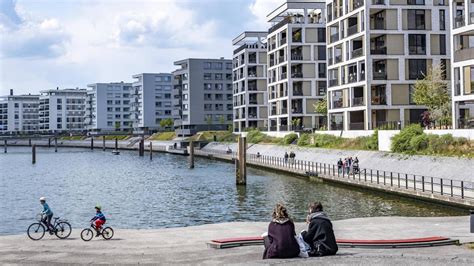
[
  {"x": 296, "y": 55},
  {"x": 203, "y": 88},
  {"x": 18, "y": 114},
  {"x": 62, "y": 110},
  {"x": 462, "y": 41},
  {"x": 152, "y": 97},
  {"x": 108, "y": 107},
  {"x": 377, "y": 49},
  {"x": 250, "y": 81}
]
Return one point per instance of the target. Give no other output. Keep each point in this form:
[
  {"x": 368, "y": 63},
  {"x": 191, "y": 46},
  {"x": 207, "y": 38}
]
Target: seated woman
[
  {"x": 280, "y": 241},
  {"x": 320, "y": 235}
]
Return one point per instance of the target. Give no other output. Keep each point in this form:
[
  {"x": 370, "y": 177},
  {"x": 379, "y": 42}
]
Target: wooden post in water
[
  {"x": 33, "y": 154},
  {"x": 103, "y": 143},
  {"x": 141, "y": 147},
  {"x": 49, "y": 142},
  {"x": 5, "y": 146},
  {"x": 151, "y": 150},
  {"x": 55, "y": 144},
  {"x": 191, "y": 155},
  {"x": 241, "y": 171},
  {"x": 29, "y": 142},
  {"x": 116, "y": 144},
  {"x": 92, "y": 143}
]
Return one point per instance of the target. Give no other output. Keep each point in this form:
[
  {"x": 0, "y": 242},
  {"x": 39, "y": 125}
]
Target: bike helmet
[
  {"x": 98, "y": 207},
  {"x": 43, "y": 199}
]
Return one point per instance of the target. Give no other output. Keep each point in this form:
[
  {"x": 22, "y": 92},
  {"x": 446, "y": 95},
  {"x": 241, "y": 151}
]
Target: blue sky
[{"x": 67, "y": 44}]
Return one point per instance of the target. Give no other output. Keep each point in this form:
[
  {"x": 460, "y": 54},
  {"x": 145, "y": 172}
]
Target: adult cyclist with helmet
[
  {"x": 47, "y": 214},
  {"x": 98, "y": 219}
]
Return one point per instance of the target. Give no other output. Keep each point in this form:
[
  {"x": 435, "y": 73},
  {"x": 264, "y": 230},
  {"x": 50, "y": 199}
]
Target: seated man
[{"x": 320, "y": 235}]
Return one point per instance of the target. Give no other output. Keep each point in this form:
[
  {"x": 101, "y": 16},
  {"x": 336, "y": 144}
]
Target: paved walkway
[{"x": 187, "y": 245}]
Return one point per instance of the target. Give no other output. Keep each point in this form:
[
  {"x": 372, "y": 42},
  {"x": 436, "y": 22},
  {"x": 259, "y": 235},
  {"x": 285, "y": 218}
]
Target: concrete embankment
[{"x": 187, "y": 245}]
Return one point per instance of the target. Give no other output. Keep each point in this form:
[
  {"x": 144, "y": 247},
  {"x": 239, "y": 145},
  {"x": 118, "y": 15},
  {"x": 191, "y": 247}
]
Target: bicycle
[
  {"x": 106, "y": 232},
  {"x": 61, "y": 228}
]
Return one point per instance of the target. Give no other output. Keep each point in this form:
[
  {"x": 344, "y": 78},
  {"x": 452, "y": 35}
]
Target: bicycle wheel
[
  {"x": 36, "y": 231},
  {"x": 107, "y": 233},
  {"x": 87, "y": 234},
  {"x": 62, "y": 230}
]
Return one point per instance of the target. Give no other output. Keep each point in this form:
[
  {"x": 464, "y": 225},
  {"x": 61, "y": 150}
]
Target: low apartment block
[
  {"x": 152, "y": 97},
  {"x": 296, "y": 55},
  {"x": 250, "y": 81},
  {"x": 18, "y": 114},
  {"x": 61, "y": 110},
  {"x": 462, "y": 15},
  {"x": 377, "y": 49},
  {"x": 108, "y": 107},
  {"x": 203, "y": 88}
]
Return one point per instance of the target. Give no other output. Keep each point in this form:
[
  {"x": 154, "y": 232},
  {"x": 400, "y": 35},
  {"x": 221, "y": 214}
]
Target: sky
[{"x": 46, "y": 44}]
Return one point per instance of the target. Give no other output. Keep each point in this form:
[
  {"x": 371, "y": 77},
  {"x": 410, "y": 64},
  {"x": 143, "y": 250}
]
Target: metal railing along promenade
[{"x": 381, "y": 178}]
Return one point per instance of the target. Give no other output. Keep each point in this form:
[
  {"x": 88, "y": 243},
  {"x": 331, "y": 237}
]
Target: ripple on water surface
[{"x": 138, "y": 193}]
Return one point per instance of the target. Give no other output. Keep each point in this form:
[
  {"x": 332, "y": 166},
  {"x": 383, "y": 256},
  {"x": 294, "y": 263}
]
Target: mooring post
[
  {"x": 116, "y": 144},
  {"x": 141, "y": 147},
  {"x": 49, "y": 142},
  {"x": 92, "y": 143},
  {"x": 55, "y": 144},
  {"x": 5, "y": 146},
  {"x": 29, "y": 142},
  {"x": 103, "y": 143},
  {"x": 191, "y": 155},
  {"x": 151, "y": 150},
  {"x": 33, "y": 154},
  {"x": 241, "y": 174}
]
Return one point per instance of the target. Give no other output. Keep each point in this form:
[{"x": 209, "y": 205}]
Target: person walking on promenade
[
  {"x": 280, "y": 242},
  {"x": 347, "y": 165},
  {"x": 292, "y": 157},
  {"x": 351, "y": 162},
  {"x": 320, "y": 234},
  {"x": 286, "y": 157},
  {"x": 339, "y": 166}
]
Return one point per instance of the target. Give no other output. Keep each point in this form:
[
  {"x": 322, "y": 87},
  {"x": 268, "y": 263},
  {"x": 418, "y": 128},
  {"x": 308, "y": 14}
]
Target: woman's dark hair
[{"x": 315, "y": 207}]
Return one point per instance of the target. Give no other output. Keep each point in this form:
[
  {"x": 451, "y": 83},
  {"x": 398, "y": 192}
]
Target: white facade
[
  {"x": 108, "y": 107},
  {"x": 152, "y": 97},
  {"x": 250, "y": 81},
  {"x": 462, "y": 41},
  {"x": 377, "y": 49},
  {"x": 296, "y": 65},
  {"x": 19, "y": 114},
  {"x": 62, "y": 110}
]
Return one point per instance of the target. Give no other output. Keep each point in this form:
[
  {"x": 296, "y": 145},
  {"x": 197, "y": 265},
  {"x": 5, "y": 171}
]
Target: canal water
[{"x": 138, "y": 193}]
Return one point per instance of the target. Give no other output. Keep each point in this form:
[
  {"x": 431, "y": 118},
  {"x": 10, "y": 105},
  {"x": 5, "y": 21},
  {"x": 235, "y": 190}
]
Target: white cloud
[{"x": 261, "y": 8}]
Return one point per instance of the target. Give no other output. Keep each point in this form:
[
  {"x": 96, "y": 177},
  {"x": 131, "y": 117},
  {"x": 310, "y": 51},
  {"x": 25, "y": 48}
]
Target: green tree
[
  {"x": 433, "y": 92},
  {"x": 321, "y": 107},
  {"x": 209, "y": 122},
  {"x": 222, "y": 120},
  {"x": 117, "y": 125},
  {"x": 168, "y": 122}
]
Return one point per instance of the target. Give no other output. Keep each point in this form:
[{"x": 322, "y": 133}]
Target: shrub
[
  {"x": 419, "y": 142},
  {"x": 372, "y": 142},
  {"x": 462, "y": 141},
  {"x": 447, "y": 139},
  {"x": 326, "y": 140},
  {"x": 255, "y": 136},
  {"x": 401, "y": 141},
  {"x": 290, "y": 138},
  {"x": 304, "y": 140}
]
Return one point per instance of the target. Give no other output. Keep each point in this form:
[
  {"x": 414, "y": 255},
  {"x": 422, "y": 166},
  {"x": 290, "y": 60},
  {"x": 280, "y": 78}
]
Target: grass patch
[
  {"x": 255, "y": 136},
  {"x": 72, "y": 138},
  {"x": 470, "y": 245},
  {"x": 163, "y": 136},
  {"x": 221, "y": 136},
  {"x": 334, "y": 142},
  {"x": 113, "y": 137}
]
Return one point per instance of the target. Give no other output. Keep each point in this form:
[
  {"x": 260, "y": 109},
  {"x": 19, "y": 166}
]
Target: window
[
  {"x": 322, "y": 88},
  {"x": 167, "y": 96},
  {"x": 442, "y": 20},
  {"x": 158, "y": 104},
  {"x": 168, "y": 88},
  {"x": 59, "y": 120},
  {"x": 158, "y": 78},
  {"x": 416, "y": 2},
  {"x": 443, "y": 69},
  {"x": 185, "y": 96},
  {"x": 207, "y": 76},
  {"x": 185, "y": 86},
  {"x": 321, "y": 35},
  {"x": 117, "y": 109},
  {"x": 59, "y": 107},
  {"x": 416, "y": 68},
  {"x": 228, "y": 65},
  {"x": 228, "y": 76},
  {"x": 208, "y": 97},
  {"x": 117, "y": 102},
  {"x": 59, "y": 101},
  {"x": 110, "y": 109},
  {"x": 109, "y": 123},
  {"x": 321, "y": 52},
  {"x": 218, "y": 76},
  {"x": 117, "y": 116},
  {"x": 416, "y": 19},
  {"x": 442, "y": 44},
  {"x": 217, "y": 65},
  {"x": 158, "y": 88},
  {"x": 207, "y": 86},
  {"x": 185, "y": 107},
  {"x": 322, "y": 70},
  {"x": 207, "y": 65},
  {"x": 207, "y": 107},
  {"x": 219, "y": 86},
  {"x": 417, "y": 44},
  {"x": 219, "y": 97}
]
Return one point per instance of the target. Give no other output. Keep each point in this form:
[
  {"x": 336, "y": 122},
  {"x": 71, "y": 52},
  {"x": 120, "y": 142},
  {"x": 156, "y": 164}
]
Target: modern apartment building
[
  {"x": 377, "y": 49},
  {"x": 296, "y": 55},
  {"x": 462, "y": 41},
  {"x": 152, "y": 97},
  {"x": 61, "y": 110},
  {"x": 203, "y": 89},
  {"x": 108, "y": 107},
  {"x": 18, "y": 114},
  {"x": 250, "y": 81}
]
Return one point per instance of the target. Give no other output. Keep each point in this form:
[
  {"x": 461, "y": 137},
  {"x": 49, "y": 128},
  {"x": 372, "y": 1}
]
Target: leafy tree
[
  {"x": 209, "y": 122},
  {"x": 433, "y": 92},
  {"x": 168, "y": 122},
  {"x": 221, "y": 120},
  {"x": 321, "y": 107},
  {"x": 117, "y": 125}
]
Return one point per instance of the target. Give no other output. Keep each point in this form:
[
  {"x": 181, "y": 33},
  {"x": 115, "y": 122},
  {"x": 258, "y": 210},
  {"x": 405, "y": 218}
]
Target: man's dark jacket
[{"x": 320, "y": 235}]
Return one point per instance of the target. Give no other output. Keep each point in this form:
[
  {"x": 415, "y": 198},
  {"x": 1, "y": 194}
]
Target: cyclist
[
  {"x": 48, "y": 214},
  {"x": 98, "y": 219}
]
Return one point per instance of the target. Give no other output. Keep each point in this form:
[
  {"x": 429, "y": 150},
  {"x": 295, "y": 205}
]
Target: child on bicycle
[
  {"x": 98, "y": 219},
  {"x": 48, "y": 214}
]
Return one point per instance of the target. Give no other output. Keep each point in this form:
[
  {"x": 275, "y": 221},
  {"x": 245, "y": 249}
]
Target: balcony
[
  {"x": 297, "y": 75},
  {"x": 352, "y": 77},
  {"x": 281, "y": 59},
  {"x": 358, "y": 101},
  {"x": 379, "y": 50},
  {"x": 334, "y": 37},
  {"x": 378, "y": 2},
  {"x": 459, "y": 21},
  {"x": 379, "y": 100},
  {"x": 333, "y": 82},
  {"x": 337, "y": 59},
  {"x": 380, "y": 75},
  {"x": 279, "y": 24},
  {"x": 297, "y": 92},
  {"x": 284, "y": 111},
  {"x": 464, "y": 54},
  {"x": 352, "y": 30},
  {"x": 283, "y": 76},
  {"x": 296, "y": 57},
  {"x": 337, "y": 104}
]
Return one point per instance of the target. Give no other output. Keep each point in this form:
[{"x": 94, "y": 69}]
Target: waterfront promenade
[{"x": 187, "y": 245}]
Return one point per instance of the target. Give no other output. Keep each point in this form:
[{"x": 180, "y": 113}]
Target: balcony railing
[
  {"x": 464, "y": 54},
  {"x": 358, "y": 101},
  {"x": 297, "y": 110},
  {"x": 357, "y": 3},
  {"x": 337, "y": 104},
  {"x": 337, "y": 59},
  {"x": 357, "y": 53},
  {"x": 352, "y": 30},
  {"x": 297, "y": 75},
  {"x": 283, "y": 76},
  {"x": 379, "y": 75},
  {"x": 284, "y": 111},
  {"x": 279, "y": 24},
  {"x": 379, "y": 50},
  {"x": 459, "y": 21},
  {"x": 378, "y": 2},
  {"x": 333, "y": 82},
  {"x": 297, "y": 92},
  {"x": 379, "y": 100},
  {"x": 334, "y": 37},
  {"x": 296, "y": 57},
  {"x": 352, "y": 77}
]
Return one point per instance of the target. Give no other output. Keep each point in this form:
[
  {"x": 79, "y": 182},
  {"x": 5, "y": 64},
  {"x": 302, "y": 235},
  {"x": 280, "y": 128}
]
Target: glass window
[
  {"x": 207, "y": 86},
  {"x": 158, "y": 78},
  {"x": 207, "y": 65},
  {"x": 442, "y": 44},
  {"x": 416, "y": 2},
  {"x": 417, "y": 44},
  {"x": 321, "y": 35},
  {"x": 207, "y": 76},
  {"x": 185, "y": 96},
  {"x": 322, "y": 70},
  {"x": 442, "y": 20},
  {"x": 217, "y": 65},
  {"x": 218, "y": 76},
  {"x": 219, "y": 86},
  {"x": 321, "y": 52},
  {"x": 416, "y": 19},
  {"x": 416, "y": 68}
]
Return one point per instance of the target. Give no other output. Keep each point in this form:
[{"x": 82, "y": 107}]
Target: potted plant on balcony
[{"x": 297, "y": 36}]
